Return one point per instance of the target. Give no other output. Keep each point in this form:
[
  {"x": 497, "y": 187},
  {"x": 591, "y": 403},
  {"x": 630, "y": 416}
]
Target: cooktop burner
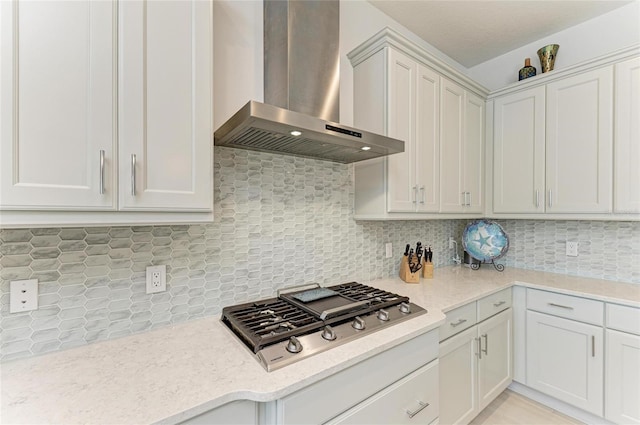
[{"x": 303, "y": 321}]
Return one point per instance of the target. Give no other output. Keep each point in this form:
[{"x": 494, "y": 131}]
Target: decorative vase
[
  {"x": 527, "y": 71},
  {"x": 547, "y": 56}
]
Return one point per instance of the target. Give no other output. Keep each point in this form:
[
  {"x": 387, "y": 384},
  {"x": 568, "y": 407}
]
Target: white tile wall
[{"x": 279, "y": 221}]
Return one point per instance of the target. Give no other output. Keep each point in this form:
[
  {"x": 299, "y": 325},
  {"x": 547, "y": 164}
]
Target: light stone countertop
[{"x": 175, "y": 373}]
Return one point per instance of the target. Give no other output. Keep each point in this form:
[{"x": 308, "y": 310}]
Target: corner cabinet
[
  {"x": 401, "y": 92},
  {"x": 113, "y": 114},
  {"x": 565, "y": 143}
]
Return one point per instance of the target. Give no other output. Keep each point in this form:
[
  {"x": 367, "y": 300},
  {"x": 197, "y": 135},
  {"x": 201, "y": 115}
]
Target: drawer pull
[
  {"x": 459, "y": 322},
  {"x": 593, "y": 346},
  {"x": 560, "y": 306},
  {"x": 498, "y": 304},
  {"x": 418, "y": 410},
  {"x": 133, "y": 174},
  {"x": 486, "y": 344}
]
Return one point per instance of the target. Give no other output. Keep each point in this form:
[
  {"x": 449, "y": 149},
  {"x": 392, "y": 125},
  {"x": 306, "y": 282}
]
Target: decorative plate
[{"x": 485, "y": 240}]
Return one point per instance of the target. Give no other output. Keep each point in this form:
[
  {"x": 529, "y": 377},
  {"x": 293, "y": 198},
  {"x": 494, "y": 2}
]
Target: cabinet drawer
[
  {"x": 623, "y": 318},
  {"x": 328, "y": 398},
  {"x": 241, "y": 412},
  {"x": 493, "y": 304},
  {"x": 575, "y": 308},
  {"x": 458, "y": 320},
  {"x": 413, "y": 399}
]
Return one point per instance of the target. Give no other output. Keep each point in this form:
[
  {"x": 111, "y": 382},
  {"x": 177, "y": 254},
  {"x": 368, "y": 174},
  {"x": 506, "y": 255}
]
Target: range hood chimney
[{"x": 301, "y": 91}]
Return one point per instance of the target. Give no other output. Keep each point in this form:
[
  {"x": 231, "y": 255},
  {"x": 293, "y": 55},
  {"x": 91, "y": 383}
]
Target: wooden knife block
[
  {"x": 405, "y": 272},
  {"x": 427, "y": 270}
]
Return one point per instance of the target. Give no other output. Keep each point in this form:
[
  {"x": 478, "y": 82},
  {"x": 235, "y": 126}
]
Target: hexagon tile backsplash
[{"x": 279, "y": 221}]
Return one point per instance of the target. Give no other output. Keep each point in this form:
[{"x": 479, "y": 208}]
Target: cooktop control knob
[
  {"x": 294, "y": 346},
  {"x": 328, "y": 333},
  {"x": 358, "y": 323},
  {"x": 383, "y": 315},
  {"x": 405, "y": 308}
]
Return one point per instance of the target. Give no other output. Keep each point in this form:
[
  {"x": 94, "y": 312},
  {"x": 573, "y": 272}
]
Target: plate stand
[{"x": 499, "y": 267}]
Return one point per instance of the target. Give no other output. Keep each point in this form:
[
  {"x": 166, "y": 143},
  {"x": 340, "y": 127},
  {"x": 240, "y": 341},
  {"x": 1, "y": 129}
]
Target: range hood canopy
[{"x": 301, "y": 84}]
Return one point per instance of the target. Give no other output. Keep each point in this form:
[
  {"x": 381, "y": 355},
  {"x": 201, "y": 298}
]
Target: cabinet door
[
  {"x": 402, "y": 189},
  {"x": 579, "y": 143},
  {"x": 165, "y": 112},
  {"x": 458, "y": 378},
  {"x": 622, "y": 383},
  {"x": 495, "y": 366},
  {"x": 518, "y": 152},
  {"x": 452, "y": 103},
  {"x": 57, "y": 105},
  {"x": 565, "y": 360},
  {"x": 627, "y": 137},
  {"x": 428, "y": 140},
  {"x": 473, "y": 152}
]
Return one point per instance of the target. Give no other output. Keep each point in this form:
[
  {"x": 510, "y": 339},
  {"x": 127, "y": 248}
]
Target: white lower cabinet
[
  {"x": 622, "y": 365},
  {"x": 565, "y": 360},
  {"x": 402, "y": 382},
  {"x": 475, "y": 367},
  {"x": 413, "y": 399},
  {"x": 241, "y": 412}
]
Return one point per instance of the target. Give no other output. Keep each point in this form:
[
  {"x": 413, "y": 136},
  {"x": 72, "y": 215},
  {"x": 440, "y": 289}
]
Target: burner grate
[{"x": 268, "y": 322}]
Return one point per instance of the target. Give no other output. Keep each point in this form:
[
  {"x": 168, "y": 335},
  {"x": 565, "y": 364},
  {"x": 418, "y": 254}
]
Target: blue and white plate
[{"x": 485, "y": 240}]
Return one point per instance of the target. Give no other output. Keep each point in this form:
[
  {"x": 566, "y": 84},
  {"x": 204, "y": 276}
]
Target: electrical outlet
[
  {"x": 156, "y": 279},
  {"x": 452, "y": 243},
  {"x": 388, "y": 248},
  {"x": 23, "y": 295},
  {"x": 572, "y": 249}
]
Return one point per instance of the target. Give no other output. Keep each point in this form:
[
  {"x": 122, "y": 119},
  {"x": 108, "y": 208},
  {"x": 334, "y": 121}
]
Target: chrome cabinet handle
[
  {"x": 133, "y": 174},
  {"x": 469, "y": 202},
  {"x": 537, "y": 198},
  {"x": 101, "y": 171},
  {"x": 560, "y": 306},
  {"x": 422, "y": 193},
  {"x": 418, "y": 410},
  {"x": 498, "y": 304},
  {"x": 459, "y": 322},
  {"x": 593, "y": 345},
  {"x": 486, "y": 344},
  {"x": 550, "y": 199}
]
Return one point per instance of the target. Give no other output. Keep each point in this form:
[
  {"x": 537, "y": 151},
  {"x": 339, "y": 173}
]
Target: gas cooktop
[{"x": 303, "y": 321}]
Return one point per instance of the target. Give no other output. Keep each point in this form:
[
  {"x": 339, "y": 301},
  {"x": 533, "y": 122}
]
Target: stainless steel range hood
[{"x": 301, "y": 90}]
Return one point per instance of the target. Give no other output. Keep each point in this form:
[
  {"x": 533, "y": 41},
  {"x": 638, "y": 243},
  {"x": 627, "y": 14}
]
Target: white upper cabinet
[
  {"x": 57, "y": 99},
  {"x": 401, "y": 193},
  {"x": 461, "y": 149},
  {"x": 413, "y": 117},
  {"x": 579, "y": 143},
  {"x": 165, "y": 118},
  {"x": 627, "y": 137},
  {"x": 404, "y": 93},
  {"x": 518, "y": 152},
  {"x": 106, "y": 106}
]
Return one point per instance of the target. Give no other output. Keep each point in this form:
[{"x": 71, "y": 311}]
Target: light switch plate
[{"x": 23, "y": 295}]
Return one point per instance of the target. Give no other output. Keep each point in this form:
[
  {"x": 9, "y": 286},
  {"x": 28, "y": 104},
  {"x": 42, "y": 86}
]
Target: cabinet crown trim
[
  {"x": 611, "y": 58},
  {"x": 388, "y": 37}
]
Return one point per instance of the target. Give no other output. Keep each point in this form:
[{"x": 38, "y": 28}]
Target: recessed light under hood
[{"x": 301, "y": 60}]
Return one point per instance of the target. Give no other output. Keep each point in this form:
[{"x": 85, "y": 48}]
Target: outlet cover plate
[
  {"x": 23, "y": 295},
  {"x": 156, "y": 279},
  {"x": 388, "y": 247},
  {"x": 572, "y": 249}
]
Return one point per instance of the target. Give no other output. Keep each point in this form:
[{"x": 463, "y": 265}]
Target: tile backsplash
[{"x": 279, "y": 221}]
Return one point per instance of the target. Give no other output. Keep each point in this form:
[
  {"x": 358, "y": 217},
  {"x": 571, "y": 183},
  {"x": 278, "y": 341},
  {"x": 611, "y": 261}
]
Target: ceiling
[{"x": 474, "y": 31}]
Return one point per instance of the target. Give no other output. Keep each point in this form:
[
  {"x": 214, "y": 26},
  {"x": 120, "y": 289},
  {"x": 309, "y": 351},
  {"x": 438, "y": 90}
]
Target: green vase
[
  {"x": 527, "y": 71},
  {"x": 547, "y": 56}
]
